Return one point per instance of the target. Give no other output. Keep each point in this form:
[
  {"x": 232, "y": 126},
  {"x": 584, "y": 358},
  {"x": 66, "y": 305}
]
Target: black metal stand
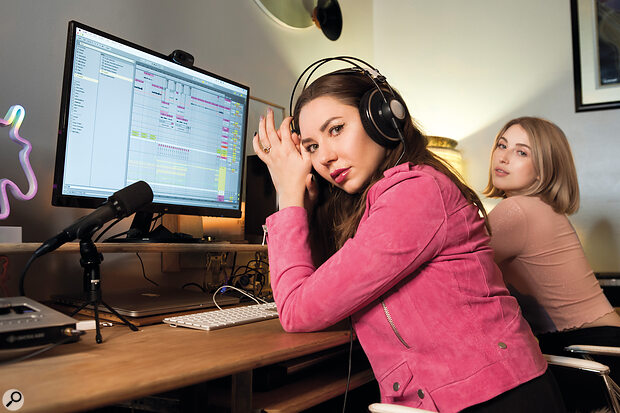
[{"x": 90, "y": 261}]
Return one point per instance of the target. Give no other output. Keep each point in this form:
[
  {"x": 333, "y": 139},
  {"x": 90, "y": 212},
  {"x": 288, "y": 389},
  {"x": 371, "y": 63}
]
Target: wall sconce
[
  {"x": 299, "y": 14},
  {"x": 445, "y": 148}
]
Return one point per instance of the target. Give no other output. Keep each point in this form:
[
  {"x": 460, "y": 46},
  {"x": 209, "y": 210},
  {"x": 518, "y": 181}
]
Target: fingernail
[
  {"x": 255, "y": 133},
  {"x": 262, "y": 117}
]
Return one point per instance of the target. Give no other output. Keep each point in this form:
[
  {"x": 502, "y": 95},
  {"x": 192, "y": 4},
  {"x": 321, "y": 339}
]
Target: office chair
[
  {"x": 612, "y": 390},
  {"x": 585, "y": 364},
  {"x": 587, "y": 352},
  {"x": 394, "y": 408}
]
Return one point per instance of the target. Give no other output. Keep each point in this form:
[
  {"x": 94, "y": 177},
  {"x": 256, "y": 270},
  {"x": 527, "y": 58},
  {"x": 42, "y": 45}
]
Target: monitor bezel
[{"x": 64, "y": 200}]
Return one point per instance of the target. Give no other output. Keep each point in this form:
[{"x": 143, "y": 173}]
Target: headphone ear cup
[
  {"x": 377, "y": 114},
  {"x": 294, "y": 128}
]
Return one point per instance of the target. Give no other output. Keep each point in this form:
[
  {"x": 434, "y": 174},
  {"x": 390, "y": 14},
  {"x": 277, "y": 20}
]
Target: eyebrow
[
  {"x": 327, "y": 122},
  {"x": 516, "y": 144},
  {"x": 322, "y": 128}
]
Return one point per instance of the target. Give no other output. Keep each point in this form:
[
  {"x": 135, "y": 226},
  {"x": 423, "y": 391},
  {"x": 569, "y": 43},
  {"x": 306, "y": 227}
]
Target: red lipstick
[{"x": 339, "y": 175}]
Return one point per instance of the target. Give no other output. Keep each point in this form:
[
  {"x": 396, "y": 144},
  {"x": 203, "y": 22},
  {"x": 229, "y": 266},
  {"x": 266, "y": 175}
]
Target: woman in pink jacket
[{"x": 374, "y": 227}]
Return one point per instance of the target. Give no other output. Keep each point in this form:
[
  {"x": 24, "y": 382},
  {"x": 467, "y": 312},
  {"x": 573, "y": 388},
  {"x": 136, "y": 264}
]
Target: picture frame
[
  {"x": 596, "y": 54},
  {"x": 256, "y": 108}
]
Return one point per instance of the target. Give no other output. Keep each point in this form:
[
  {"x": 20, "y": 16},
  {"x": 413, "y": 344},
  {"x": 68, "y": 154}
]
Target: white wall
[
  {"x": 233, "y": 38},
  {"x": 466, "y": 68}
]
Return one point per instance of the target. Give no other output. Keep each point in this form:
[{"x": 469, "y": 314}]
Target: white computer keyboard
[{"x": 227, "y": 317}]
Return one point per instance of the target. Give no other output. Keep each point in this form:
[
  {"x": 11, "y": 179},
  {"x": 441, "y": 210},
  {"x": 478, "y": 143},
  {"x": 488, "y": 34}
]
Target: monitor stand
[{"x": 139, "y": 231}]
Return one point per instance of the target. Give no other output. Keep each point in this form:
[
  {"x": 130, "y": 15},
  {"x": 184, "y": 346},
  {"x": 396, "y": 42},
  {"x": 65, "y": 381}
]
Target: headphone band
[{"x": 373, "y": 74}]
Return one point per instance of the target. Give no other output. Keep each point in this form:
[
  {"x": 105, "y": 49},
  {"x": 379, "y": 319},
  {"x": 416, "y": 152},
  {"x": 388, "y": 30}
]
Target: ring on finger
[{"x": 265, "y": 149}]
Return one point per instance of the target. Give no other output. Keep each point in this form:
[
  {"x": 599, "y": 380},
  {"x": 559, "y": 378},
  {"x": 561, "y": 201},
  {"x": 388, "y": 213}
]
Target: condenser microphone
[{"x": 120, "y": 204}]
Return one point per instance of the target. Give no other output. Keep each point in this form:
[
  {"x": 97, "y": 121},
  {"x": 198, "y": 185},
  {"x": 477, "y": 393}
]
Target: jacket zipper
[{"x": 389, "y": 319}]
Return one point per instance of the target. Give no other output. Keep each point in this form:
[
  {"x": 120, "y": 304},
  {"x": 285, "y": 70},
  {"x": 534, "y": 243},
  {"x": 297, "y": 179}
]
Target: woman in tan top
[{"x": 536, "y": 246}]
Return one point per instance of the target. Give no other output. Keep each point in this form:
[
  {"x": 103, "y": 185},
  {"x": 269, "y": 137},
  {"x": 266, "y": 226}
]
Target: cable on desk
[
  {"x": 193, "y": 284},
  {"x": 120, "y": 234},
  {"x": 239, "y": 290},
  {"x": 155, "y": 218},
  {"x": 143, "y": 271},
  {"x": 69, "y": 332},
  {"x": 107, "y": 229},
  {"x": 346, "y": 390},
  {"x": 22, "y": 277},
  {"x": 115, "y": 236},
  {"x": 246, "y": 274},
  {"x": 244, "y": 277}
]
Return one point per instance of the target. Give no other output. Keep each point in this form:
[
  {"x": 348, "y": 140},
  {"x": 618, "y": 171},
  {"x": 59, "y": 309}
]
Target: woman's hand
[{"x": 289, "y": 164}]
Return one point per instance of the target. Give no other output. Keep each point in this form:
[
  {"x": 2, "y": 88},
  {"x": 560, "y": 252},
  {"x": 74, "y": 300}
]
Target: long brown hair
[
  {"x": 337, "y": 214},
  {"x": 553, "y": 163}
]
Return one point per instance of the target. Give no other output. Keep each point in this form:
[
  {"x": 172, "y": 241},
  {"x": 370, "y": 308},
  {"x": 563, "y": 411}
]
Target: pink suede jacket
[{"x": 427, "y": 301}]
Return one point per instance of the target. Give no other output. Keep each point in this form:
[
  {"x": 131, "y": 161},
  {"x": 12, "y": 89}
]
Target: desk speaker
[{"x": 260, "y": 198}]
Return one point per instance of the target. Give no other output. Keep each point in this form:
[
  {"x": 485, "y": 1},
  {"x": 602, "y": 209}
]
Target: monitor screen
[{"x": 130, "y": 114}]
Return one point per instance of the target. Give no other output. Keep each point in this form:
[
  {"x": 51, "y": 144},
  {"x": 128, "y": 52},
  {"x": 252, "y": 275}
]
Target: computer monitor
[{"x": 129, "y": 113}]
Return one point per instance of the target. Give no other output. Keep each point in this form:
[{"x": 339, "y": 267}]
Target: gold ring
[{"x": 266, "y": 150}]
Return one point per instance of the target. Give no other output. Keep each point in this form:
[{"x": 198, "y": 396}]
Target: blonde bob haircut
[{"x": 553, "y": 162}]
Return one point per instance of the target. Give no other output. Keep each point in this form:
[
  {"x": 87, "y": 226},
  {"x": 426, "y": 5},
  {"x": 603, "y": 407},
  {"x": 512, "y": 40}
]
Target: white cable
[{"x": 236, "y": 289}]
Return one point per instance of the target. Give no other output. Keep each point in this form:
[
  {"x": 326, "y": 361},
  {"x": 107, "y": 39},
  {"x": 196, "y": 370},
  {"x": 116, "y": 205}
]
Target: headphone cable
[{"x": 346, "y": 390}]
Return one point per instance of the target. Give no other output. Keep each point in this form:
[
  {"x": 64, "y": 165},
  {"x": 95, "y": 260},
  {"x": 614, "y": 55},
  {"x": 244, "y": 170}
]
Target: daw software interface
[{"x": 135, "y": 116}]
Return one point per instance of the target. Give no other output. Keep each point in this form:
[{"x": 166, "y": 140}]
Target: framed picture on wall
[
  {"x": 596, "y": 54},
  {"x": 257, "y": 108}
]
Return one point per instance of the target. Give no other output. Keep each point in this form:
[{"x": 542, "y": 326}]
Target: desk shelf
[
  {"x": 170, "y": 251},
  {"x": 309, "y": 392},
  {"x": 73, "y": 247}
]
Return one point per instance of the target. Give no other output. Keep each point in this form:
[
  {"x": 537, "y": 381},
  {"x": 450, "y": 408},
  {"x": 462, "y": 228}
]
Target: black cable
[
  {"x": 154, "y": 220},
  {"x": 234, "y": 261},
  {"x": 107, "y": 228},
  {"x": 247, "y": 269},
  {"x": 228, "y": 278},
  {"x": 346, "y": 390},
  {"x": 249, "y": 272},
  {"x": 22, "y": 277},
  {"x": 258, "y": 261},
  {"x": 253, "y": 275},
  {"x": 194, "y": 285},
  {"x": 44, "y": 349},
  {"x": 120, "y": 234},
  {"x": 144, "y": 272}
]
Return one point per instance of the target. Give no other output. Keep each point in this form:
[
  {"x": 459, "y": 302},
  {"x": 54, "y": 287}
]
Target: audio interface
[{"x": 25, "y": 323}]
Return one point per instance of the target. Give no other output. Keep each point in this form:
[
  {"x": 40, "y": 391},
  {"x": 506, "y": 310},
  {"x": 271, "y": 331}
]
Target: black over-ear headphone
[{"x": 381, "y": 111}]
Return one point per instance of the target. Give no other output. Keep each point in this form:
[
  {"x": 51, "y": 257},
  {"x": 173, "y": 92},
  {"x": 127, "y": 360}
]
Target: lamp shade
[{"x": 445, "y": 148}]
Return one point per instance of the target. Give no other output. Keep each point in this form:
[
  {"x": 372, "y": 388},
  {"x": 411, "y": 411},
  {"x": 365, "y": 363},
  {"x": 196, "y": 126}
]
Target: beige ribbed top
[{"x": 544, "y": 265}]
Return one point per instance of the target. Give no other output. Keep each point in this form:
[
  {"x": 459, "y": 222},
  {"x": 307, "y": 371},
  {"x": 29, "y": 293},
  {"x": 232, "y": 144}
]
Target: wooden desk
[{"x": 158, "y": 358}]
